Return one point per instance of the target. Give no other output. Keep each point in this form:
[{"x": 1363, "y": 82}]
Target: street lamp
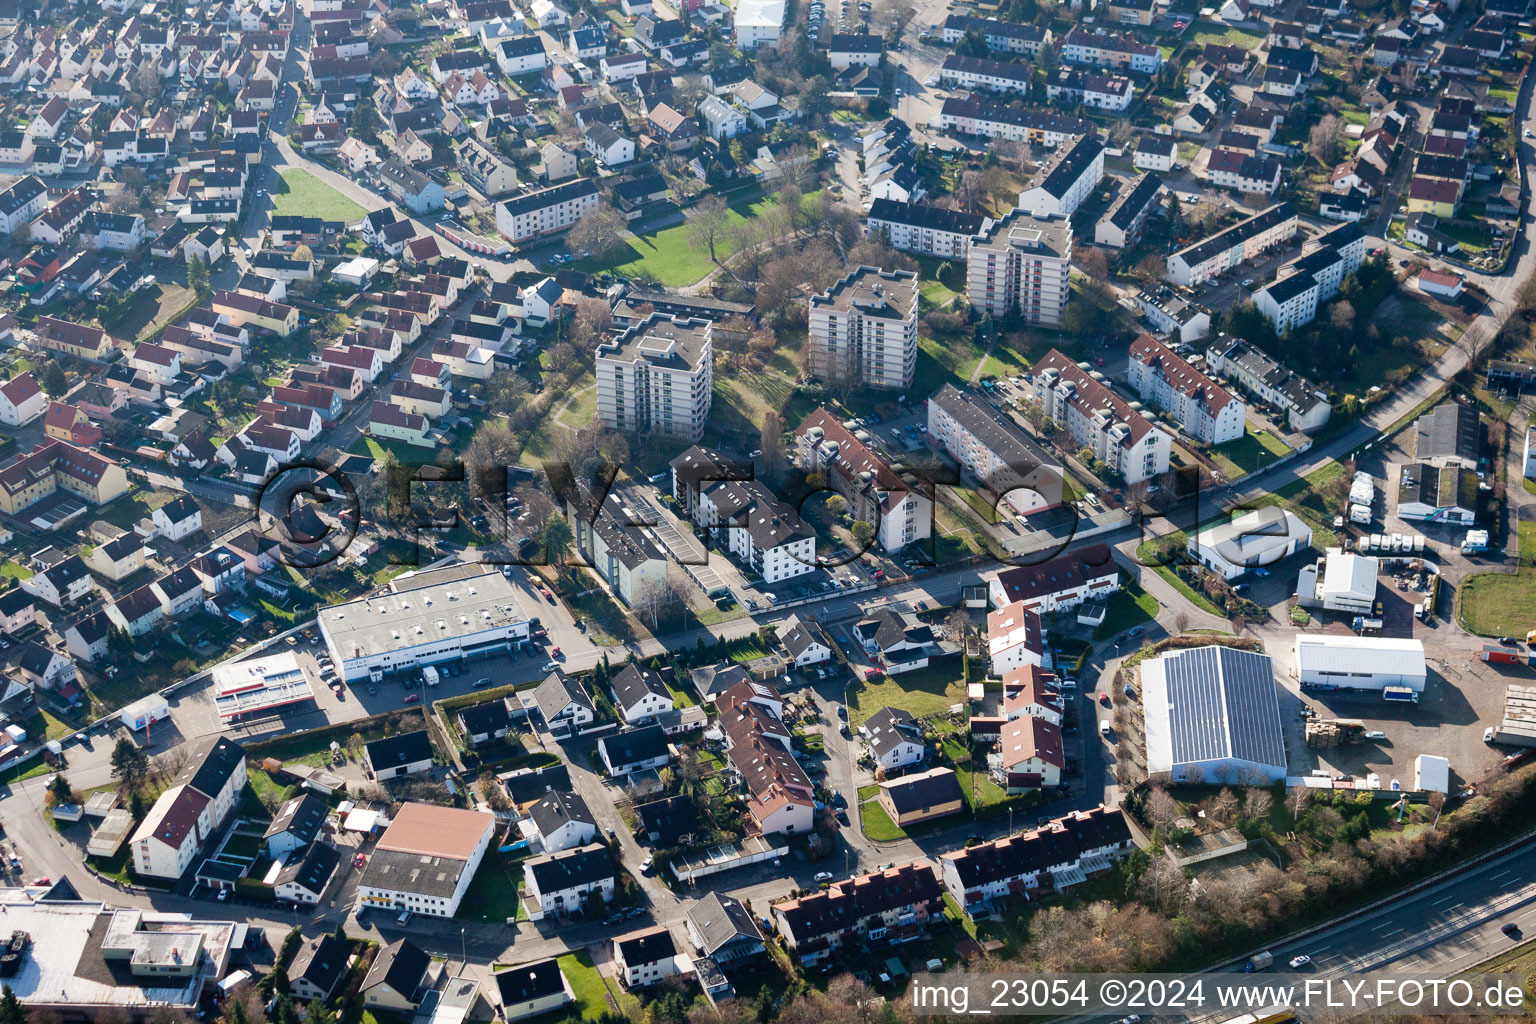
[{"x": 463, "y": 956}]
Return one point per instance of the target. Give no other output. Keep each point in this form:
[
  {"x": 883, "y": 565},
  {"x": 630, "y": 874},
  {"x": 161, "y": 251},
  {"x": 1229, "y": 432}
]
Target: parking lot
[{"x": 1462, "y": 696}]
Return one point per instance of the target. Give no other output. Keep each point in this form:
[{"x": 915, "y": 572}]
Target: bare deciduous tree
[
  {"x": 1162, "y": 809},
  {"x": 707, "y": 224},
  {"x": 601, "y": 231}
]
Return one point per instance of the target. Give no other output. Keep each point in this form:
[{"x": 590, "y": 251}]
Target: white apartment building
[
  {"x": 864, "y": 329},
  {"x": 1293, "y": 301},
  {"x": 545, "y": 211},
  {"x": 1243, "y": 172},
  {"x": 1061, "y": 184},
  {"x": 1226, "y": 250},
  {"x": 995, "y": 121},
  {"x": 1205, "y": 409},
  {"x": 926, "y": 230},
  {"x": 1090, "y": 88},
  {"x": 187, "y": 814},
  {"x": 1236, "y": 359},
  {"x": 876, "y": 494},
  {"x": 1104, "y": 50},
  {"x": 1004, "y": 76},
  {"x": 1099, "y": 419},
  {"x": 1022, "y": 263},
  {"x": 1124, "y": 222},
  {"x": 1014, "y": 638},
  {"x": 657, "y": 377},
  {"x": 1004, "y": 36},
  {"x": 758, "y": 22},
  {"x": 991, "y": 447}
]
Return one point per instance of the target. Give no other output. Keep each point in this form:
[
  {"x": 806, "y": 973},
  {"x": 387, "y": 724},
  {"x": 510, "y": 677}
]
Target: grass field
[
  {"x": 877, "y": 824},
  {"x": 1494, "y": 604},
  {"x": 670, "y": 256},
  {"x": 492, "y": 895},
  {"x": 1127, "y": 608},
  {"x": 928, "y": 691},
  {"x": 1248, "y": 452},
  {"x": 303, "y": 194},
  {"x": 1223, "y": 36}
]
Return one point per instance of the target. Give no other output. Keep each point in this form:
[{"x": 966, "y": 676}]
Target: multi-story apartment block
[
  {"x": 1056, "y": 854},
  {"x": 1102, "y": 92},
  {"x": 1313, "y": 279},
  {"x": 994, "y": 449},
  {"x": 1237, "y": 360},
  {"x": 926, "y": 230},
  {"x": 1000, "y": 35},
  {"x": 545, "y": 211},
  {"x": 876, "y": 494},
  {"x": 980, "y": 73},
  {"x": 1021, "y": 264},
  {"x": 1238, "y": 244},
  {"x": 864, "y": 329},
  {"x": 1123, "y": 223},
  {"x": 1061, "y": 184},
  {"x": 995, "y": 121},
  {"x": 1205, "y": 409},
  {"x": 187, "y": 814},
  {"x": 657, "y": 377},
  {"x": 1106, "y": 50},
  {"x": 624, "y": 555},
  {"x": 863, "y": 908},
  {"x": 763, "y": 532},
  {"x": 1099, "y": 419}
]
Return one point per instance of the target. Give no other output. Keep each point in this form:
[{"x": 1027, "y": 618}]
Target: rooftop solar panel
[{"x": 1223, "y": 703}]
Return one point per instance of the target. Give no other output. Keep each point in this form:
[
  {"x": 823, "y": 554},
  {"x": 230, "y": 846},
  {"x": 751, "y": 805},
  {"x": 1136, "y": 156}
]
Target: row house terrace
[{"x": 874, "y": 911}]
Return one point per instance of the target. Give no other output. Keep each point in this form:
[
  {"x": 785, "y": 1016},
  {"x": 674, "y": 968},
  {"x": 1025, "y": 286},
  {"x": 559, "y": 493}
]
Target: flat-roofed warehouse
[
  {"x": 1213, "y": 716},
  {"x": 456, "y": 612},
  {"x": 426, "y": 859},
  {"x": 1327, "y": 662},
  {"x": 1519, "y": 725},
  {"x": 82, "y": 957}
]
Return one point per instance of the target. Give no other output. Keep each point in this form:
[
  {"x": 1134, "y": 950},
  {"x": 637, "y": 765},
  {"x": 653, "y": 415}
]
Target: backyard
[
  {"x": 492, "y": 896},
  {"x": 304, "y": 195},
  {"x": 926, "y": 692}
]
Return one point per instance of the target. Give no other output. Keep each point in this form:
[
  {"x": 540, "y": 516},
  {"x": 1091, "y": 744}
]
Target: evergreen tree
[{"x": 11, "y": 1011}]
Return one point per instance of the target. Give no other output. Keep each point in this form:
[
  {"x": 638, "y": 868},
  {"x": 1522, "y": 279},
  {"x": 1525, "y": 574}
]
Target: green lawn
[
  {"x": 1493, "y": 604},
  {"x": 877, "y": 824},
  {"x": 492, "y": 895},
  {"x": 1248, "y": 453},
  {"x": 1223, "y": 36},
  {"x": 978, "y": 502},
  {"x": 1527, "y": 533},
  {"x": 1127, "y": 608},
  {"x": 670, "y": 256},
  {"x": 925, "y": 692},
  {"x": 591, "y": 991},
  {"x": 302, "y": 194},
  {"x": 1472, "y": 238},
  {"x": 15, "y": 570},
  {"x": 942, "y": 280}
]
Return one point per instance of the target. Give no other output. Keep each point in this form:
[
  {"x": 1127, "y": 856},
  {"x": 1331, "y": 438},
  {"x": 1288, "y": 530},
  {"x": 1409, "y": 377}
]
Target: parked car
[{"x": 412, "y": 698}]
